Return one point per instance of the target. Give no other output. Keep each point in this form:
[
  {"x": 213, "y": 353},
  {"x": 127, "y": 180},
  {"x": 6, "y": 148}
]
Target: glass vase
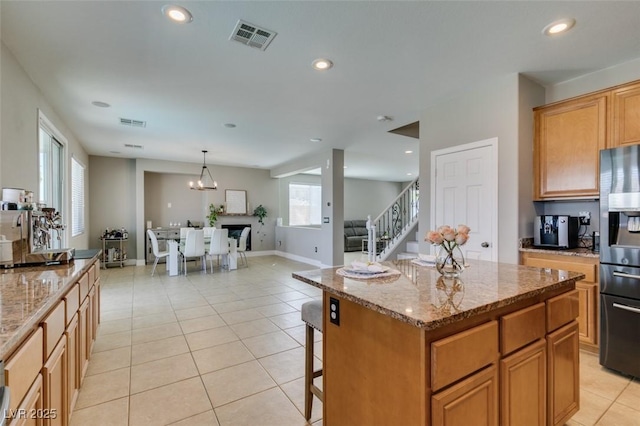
[{"x": 449, "y": 262}]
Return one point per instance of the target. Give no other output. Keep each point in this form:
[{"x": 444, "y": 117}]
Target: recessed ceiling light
[
  {"x": 383, "y": 118},
  {"x": 409, "y": 174},
  {"x": 229, "y": 125},
  {"x": 177, "y": 14},
  {"x": 322, "y": 64},
  {"x": 315, "y": 140},
  {"x": 100, "y": 104},
  {"x": 560, "y": 26},
  {"x": 408, "y": 152}
]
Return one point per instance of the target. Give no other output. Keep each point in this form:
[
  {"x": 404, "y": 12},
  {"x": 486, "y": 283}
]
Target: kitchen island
[
  {"x": 497, "y": 345},
  {"x": 48, "y": 322}
]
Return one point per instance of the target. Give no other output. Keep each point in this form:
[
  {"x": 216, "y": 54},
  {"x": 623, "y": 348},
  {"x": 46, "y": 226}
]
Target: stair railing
[{"x": 394, "y": 222}]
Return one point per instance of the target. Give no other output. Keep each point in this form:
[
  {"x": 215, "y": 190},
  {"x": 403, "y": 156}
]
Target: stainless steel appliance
[
  {"x": 26, "y": 238},
  {"x": 553, "y": 231},
  {"x": 620, "y": 259}
]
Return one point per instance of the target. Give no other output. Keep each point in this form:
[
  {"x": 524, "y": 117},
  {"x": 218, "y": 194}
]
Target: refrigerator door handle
[
  {"x": 625, "y": 275},
  {"x": 627, "y": 308}
]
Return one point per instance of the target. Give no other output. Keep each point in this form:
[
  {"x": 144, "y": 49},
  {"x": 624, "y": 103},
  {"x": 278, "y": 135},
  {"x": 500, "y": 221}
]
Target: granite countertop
[
  {"x": 421, "y": 297},
  {"x": 28, "y": 293},
  {"x": 579, "y": 252}
]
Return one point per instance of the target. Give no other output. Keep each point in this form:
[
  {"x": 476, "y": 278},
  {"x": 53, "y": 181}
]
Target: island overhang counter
[{"x": 497, "y": 345}]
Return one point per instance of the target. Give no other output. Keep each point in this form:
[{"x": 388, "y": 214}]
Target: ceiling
[{"x": 186, "y": 81}]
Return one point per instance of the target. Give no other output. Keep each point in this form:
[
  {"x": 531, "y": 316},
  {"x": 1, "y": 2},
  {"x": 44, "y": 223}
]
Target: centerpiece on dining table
[{"x": 449, "y": 258}]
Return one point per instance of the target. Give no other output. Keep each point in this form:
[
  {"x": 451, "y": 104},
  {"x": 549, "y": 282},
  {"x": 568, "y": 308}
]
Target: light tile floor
[{"x": 228, "y": 349}]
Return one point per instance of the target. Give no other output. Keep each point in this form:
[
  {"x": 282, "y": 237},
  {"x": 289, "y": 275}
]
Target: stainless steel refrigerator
[{"x": 620, "y": 259}]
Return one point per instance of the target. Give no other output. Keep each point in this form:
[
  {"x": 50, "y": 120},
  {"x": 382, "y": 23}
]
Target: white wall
[
  {"x": 594, "y": 81},
  {"x": 21, "y": 100},
  {"x": 492, "y": 110}
]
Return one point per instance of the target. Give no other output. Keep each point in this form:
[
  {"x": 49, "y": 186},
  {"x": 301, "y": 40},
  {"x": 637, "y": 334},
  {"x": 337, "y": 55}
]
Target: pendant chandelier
[{"x": 206, "y": 182}]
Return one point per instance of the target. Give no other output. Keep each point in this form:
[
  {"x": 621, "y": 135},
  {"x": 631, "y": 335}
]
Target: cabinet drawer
[
  {"x": 84, "y": 287},
  {"x": 521, "y": 328},
  {"x": 53, "y": 328},
  {"x": 562, "y": 309},
  {"x": 72, "y": 301},
  {"x": 480, "y": 346},
  {"x": 23, "y": 367}
]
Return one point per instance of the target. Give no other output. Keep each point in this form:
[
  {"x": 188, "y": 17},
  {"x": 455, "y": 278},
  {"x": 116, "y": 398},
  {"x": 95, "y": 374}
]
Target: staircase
[{"x": 392, "y": 227}]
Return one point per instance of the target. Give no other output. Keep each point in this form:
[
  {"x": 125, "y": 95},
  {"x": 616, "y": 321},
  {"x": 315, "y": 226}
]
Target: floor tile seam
[
  {"x": 195, "y": 415},
  {"x": 131, "y": 393},
  {"x": 157, "y": 359},
  {"x": 209, "y": 396},
  {"x": 596, "y": 391},
  {"x": 636, "y": 408},
  {"x": 275, "y": 385},
  {"x": 609, "y": 405},
  {"x": 76, "y": 409},
  {"x": 289, "y": 398}
]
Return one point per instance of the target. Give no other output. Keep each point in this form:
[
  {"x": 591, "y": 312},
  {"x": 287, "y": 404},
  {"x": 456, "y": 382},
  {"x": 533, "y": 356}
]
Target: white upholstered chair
[
  {"x": 219, "y": 245},
  {"x": 156, "y": 251},
  {"x": 183, "y": 233},
  {"x": 193, "y": 247},
  {"x": 208, "y": 232},
  {"x": 242, "y": 245}
]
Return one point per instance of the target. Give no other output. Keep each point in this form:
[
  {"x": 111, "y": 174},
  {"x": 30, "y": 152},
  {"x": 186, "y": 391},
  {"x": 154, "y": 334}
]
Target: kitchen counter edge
[{"x": 12, "y": 337}]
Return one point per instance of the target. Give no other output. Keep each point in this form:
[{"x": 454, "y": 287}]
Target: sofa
[{"x": 354, "y": 232}]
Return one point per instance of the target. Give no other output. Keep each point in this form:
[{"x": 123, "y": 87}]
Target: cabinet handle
[
  {"x": 625, "y": 275},
  {"x": 627, "y": 308}
]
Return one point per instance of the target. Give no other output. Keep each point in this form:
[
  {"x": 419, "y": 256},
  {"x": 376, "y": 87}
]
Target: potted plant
[
  {"x": 213, "y": 214},
  {"x": 261, "y": 212}
]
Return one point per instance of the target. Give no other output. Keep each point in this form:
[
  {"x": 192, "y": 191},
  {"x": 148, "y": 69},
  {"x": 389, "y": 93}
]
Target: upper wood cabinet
[
  {"x": 626, "y": 115},
  {"x": 569, "y": 135},
  {"x": 567, "y": 142}
]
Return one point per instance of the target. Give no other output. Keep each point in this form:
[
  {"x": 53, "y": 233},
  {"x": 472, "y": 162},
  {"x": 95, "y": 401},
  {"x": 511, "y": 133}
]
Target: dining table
[{"x": 229, "y": 260}]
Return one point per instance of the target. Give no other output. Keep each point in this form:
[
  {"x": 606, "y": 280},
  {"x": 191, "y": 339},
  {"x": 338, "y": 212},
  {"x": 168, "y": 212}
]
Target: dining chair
[
  {"x": 156, "y": 251},
  {"x": 219, "y": 245},
  {"x": 242, "y": 245},
  {"x": 184, "y": 232},
  {"x": 208, "y": 232},
  {"x": 194, "y": 247}
]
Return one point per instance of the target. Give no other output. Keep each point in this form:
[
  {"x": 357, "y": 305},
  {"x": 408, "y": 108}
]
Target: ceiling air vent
[
  {"x": 252, "y": 35},
  {"x": 132, "y": 123},
  {"x": 132, "y": 146}
]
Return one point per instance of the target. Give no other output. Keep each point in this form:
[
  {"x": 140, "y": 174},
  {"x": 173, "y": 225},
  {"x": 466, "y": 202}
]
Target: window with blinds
[{"x": 77, "y": 198}]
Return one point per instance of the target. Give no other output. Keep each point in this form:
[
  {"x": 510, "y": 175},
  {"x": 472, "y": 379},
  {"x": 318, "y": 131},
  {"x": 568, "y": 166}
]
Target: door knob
[{"x": 485, "y": 244}]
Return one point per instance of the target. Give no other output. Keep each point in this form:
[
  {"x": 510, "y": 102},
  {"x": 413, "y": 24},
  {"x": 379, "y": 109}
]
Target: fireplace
[{"x": 236, "y": 230}]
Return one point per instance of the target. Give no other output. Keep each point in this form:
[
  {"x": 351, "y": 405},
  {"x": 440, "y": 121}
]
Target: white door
[{"x": 464, "y": 191}]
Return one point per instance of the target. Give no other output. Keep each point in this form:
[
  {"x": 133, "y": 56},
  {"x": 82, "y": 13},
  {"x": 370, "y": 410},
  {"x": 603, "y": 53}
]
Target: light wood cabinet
[
  {"x": 509, "y": 367},
  {"x": 22, "y": 368},
  {"x": 73, "y": 363},
  {"x": 32, "y": 405},
  {"x": 44, "y": 373},
  {"x": 567, "y": 142},
  {"x": 474, "y": 401},
  {"x": 84, "y": 333},
  {"x": 626, "y": 115},
  {"x": 54, "y": 375},
  {"x": 588, "y": 289},
  {"x": 563, "y": 374},
  {"x": 568, "y": 136},
  {"x": 523, "y": 386}
]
